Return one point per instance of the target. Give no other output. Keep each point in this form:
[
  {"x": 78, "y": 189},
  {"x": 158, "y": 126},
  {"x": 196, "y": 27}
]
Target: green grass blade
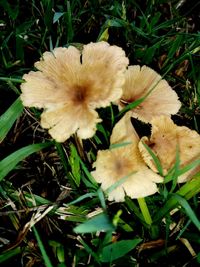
[
  {"x": 188, "y": 210},
  {"x": 101, "y": 129},
  {"x": 97, "y": 223},
  {"x": 188, "y": 190},
  {"x": 118, "y": 249},
  {"x": 75, "y": 165},
  {"x": 155, "y": 159},
  {"x": 182, "y": 231},
  {"x": 9, "y": 117},
  {"x": 131, "y": 105},
  {"x": 145, "y": 211},
  {"x": 88, "y": 249},
  {"x": 175, "y": 46},
  {"x": 48, "y": 14},
  {"x": 176, "y": 170},
  {"x": 118, "y": 183},
  {"x": 9, "y": 254},
  {"x": 118, "y": 145},
  {"x": 61, "y": 153},
  {"x": 9, "y": 163},
  {"x": 191, "y": 188},
  {"x": 83, "y": 197},
  {"x": 101, "y": 197},
  {"x": 88, "y": 174},
  {"x": 10, "y": 79},
  {"x": 190, "y": 166},
  {"x": 12, "y": 11},
  {"x": 42, "y": 248},
  {"x": 180, "y": 171},
  {"x": 70, "y": 31},
  {"x": 57, "y": 16},
  {"x": 133, "y": 208}
]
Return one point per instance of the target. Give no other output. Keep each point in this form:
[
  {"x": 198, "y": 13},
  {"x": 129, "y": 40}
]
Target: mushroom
[
  {"x": 69, "y": 85},
  {"x": 123, "y": 165},
  {"x": 166, "y": 138},
  {"x": 159, "y": 98}
]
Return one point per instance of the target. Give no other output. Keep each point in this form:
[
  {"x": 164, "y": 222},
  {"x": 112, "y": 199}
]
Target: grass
[{"x": 53, "y": 213}]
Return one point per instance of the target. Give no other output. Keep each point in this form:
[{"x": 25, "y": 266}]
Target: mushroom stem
[{"x": 145, "y": 211}]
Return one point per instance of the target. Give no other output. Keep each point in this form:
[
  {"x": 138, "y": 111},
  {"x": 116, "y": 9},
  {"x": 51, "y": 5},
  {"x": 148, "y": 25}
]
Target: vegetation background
[{"x": 48, "y": 200}]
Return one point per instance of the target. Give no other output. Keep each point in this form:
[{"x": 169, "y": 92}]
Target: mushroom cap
[
  {"x": 69, "y": 85},
  {"x": 161, "y": 99},
  {"x": 166, "y": 137},
  {"x": 123, "y": 162}
]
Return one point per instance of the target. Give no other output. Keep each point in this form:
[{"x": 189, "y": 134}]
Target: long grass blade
[
  {"x": 9, "y": 254},
  {"x": 97, "y": 223},
  {"x": 9, "y": 117},
  {"x": 42, "y": 248},
  {"x": 188, "y": 190},
  {"x": 188, "y": 210},
  {"x": 10, "y": 162}
]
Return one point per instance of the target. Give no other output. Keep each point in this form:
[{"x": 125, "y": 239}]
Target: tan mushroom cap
[
  {"x": 166, "y": 138},
  {"x": 162, "y": 100},
  {"x": 69, "y": 85},
  {"x": 124, "y": 161}
]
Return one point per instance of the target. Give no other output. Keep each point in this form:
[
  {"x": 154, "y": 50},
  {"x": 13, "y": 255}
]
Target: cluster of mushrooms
[{"x": 69, "y": 85}]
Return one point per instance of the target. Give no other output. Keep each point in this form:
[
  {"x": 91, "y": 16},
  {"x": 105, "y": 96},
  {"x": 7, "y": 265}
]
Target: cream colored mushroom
[
  {"x": 124, "y": 161},
  {"x": 70, "y": 85},
  {"x": 166, "y": 137},
  {"x": 161, "y": 99}
]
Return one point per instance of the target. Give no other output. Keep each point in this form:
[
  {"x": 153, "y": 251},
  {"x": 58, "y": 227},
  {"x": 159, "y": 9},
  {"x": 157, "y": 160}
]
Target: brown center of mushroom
[
  {"x": 119, "y": 165},
  {"x": 123, "y": 167},
  {"x": 79, "y": 94}
]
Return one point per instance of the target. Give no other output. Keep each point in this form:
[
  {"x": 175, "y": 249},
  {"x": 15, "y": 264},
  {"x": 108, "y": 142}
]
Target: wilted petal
[{"x": 161, "y": 101}]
